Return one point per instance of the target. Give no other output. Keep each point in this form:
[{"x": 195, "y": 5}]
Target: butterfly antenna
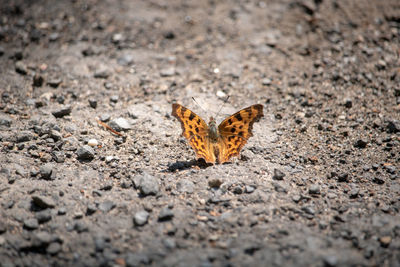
[
  {"x": 199, "y": 105},
  {"x": 226, "y": 100}
]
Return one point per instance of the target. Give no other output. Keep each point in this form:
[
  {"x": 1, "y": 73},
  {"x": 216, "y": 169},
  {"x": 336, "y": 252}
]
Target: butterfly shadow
[{"x": 184, "y": 165}]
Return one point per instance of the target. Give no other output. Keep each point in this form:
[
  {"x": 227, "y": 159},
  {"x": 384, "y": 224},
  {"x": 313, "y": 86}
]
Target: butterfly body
[{"x": 217, "y": 144}]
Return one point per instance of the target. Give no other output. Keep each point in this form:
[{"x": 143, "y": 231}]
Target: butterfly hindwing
[{"x": 236, "y": 130}]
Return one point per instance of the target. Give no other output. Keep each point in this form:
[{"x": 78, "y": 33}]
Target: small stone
[
  {"x": 169, "y": 243},
  {"x": 166, "y": 214},
  {"x": 221, "y": 94},
  {"x": 38, "y": 80},
  {"x": 378, "y": 180},
  {"x": 117, "y": 38},
  {"x": 314, "y": 189},
  {"x": 101, "y": 74},
  {"x": 296, "y": 198},
  {"x": 90, "y": 209},
  {"x": 45, "y": 171},
  {"x": 214, "y": 183},
  {"x": 85, "y": 153},
  {"x": 167, "y": 72},
  {"x": 78, "y": 215},
  {"x": 62, "y": 211},
  {"x": 385, "y": 241},
  {"x": 21, "y": 68},
  {"x": 56, "y": 135},
  {"x": 54, "y": 36},
  {"x": 120, "y": 124},
  {"x": 125, "y": 60},
  {"x": 24, "y": 136},
  {"x": 280, "y": 188},
  {"x": 249, "y": 189},
  {"x": 348, "y": 103},
  {"x": 309, "y": 210},
  {"x": 360, "y": 143},
  {"x": 53, "y": 248},
  {"x": 80, "y": 227},
  {"x": 3, "y": 227},
  {"x": 185, "y": 186},
  {"x": 55, "y": 82},
  {"x": 93, "y": 142},
  {"x": 105, "y": 117},
  {"x": 238, "y": 190},
  {"x": 141, "y": 218},
  {"x": 393, "y": 126},
  {"x": 330, "y": 261},
  {"x": 114, "y": 98},
  {"x": 147, "y": 184},
  {"x": 266, "y": 81},
  {"x": 354, "y": 193},
  {"x": 278, "y": 175},
  {"x": 43, "y": 216},
  {"x": 343, "y": 177},
  {"x": 31, "y": 224},
  {"x": 43, "y": 202},
  {"x": 93, "y": 102},
  {"x": 63, "y": 111},
  {"x": 41, "y": 239},
  {"x": 106, "y": 206},
  {"x": 5, "y": 121}
]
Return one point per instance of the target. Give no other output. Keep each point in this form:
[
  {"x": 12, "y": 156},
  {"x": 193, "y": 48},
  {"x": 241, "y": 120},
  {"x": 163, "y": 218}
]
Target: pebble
[
  {"x": 21, "y": 68},
  {"x": 81, "y": 227},
  {"x": 106, "y": 206},
  {"x": 125, "y": 60},
  {"x": 348, "y": 103},
  {"x": 101, "y": 74},
  {"x": 43, "y": 216},
  {"x": 90, "y": 209},
  {"x": 185, "y": 186},
  {"x": 55, "y": 82},
  {"x": 31, "y": 224},
  {"x": 385, "y": 241},
  {"x": 361, "y": 143},
  {"x": 105, "y": 117},
  {"x": 314, "y": 189},
  {"x": 5, "y": 121},
  {"x": 61, "y": 112},
  {"x": 249, "y": 189},
  {"x": 46, "y": 171},
  {"x": 120, "y": 124},
  {"x": 354, "y": 192},
  {"x": 266, "y": 81},
  {"x": 3, "y": 227},
  {"x": 85, "y": 153},
  {"x": 56, "y": 135},
  {"x": 393, "y": 126},
  {"x": 167, "y": 72},
  {"x": 141, "y": 218},
  {"x": 53, "y": 248},
  {"x": 214, "y": 183},
  {"x": 54, "y": 36},
  {"x": 296, "y": 198},
  {"x": 147, "y": 184},
  {"x": 92, "y": 102},
  {"x": 278, "y": 175},
  {"x": 24, "y": 136},
  {"x": 330, "y": 261},
  {"x": 37, "y": 80},
  {"x": 41, "y": 239},
  {"x": 166, "y": 214},
  {"x": 43, "y": 202},
  {"x": 93, "y": 143},
  {"x": 280, "y": 188}
]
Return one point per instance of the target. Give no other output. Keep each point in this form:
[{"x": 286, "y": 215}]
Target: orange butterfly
[{"x": 217, "y": 144}]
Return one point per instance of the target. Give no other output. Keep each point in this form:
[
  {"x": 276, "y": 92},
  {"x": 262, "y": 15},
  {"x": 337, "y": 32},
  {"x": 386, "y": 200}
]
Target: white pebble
[
  {"x": 109, "y": 159},
  {"x": 93, "y": 142}
]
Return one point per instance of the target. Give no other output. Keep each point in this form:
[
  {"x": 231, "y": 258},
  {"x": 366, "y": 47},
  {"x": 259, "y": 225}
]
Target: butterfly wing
[
  {"x": 195, "y": 130},
  {"x": 236, "y": 130}
]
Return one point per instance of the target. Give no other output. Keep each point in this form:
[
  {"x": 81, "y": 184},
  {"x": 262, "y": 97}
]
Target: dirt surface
[{"x": 317, "y": 184}]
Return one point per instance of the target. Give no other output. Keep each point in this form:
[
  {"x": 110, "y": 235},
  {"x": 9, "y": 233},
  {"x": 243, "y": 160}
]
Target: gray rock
[
  {"x": 249, "y": 189},
  {"x": 93, "y": 102},
  {"x": 43, "y": 202},
  {"x": 101, "y": 74},
  {"x": 41, "y": 239},
  {"x": 125, "y": 60},
  {"x": 56, "y": 135},
  {"x": 43, "y": 216},
  {"x": 21, "y": 68},
  {"x": 120, "y": 124},
  {"x": 46, "y": 170},
  {"x": 361, "y": 143},
  {"x": 167, "y": 72},
  {"x": 136, "y": 259},
  {"x": 185, "y": 186},
  {"x": 106, "y": 206},
  {"x": 85, "y": 153},
  {"x": 55, "y": 82},
  {"x": 81, "y": 227},
  {"x": 61, "y": 112},
  {"x": 147, "y": 184},
  {"x": 5, "y": 121},
  {"x": 53, "y": 248},
  {"x": 24, "y": 136},
  {"x": 90, "y": 209},
  {"x": 3, "y": 227},
  {"x": 166, "y": 214},
  {"x": 141, "y": 218},
  {"x": 31, "y": 224},
  {"x": 393, "y": 126},
  {"x": 278, "y": 175},
  {"x": 314, "y": 189}
]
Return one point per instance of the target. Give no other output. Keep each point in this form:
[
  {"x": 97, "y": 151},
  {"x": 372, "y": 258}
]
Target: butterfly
[{"x": 217, "y": 144}]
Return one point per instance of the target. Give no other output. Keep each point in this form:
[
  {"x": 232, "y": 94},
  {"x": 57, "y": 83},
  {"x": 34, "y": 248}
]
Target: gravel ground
[{"x": 317, "y": 184}]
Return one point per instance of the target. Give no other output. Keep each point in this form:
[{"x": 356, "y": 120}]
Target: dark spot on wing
[
  {"x": 233, "y": 130},
  {"x": 198, "y": 121},
  {"x": 190, "y": 126},
  {"x": 191, "y": 133},
  {"x": 197, "y": 129},
  {"x": 183, "y": 109},
  {"x": 237, "y": 141},
  {"x": 229, "y": 121},
  {"x": 203, "y": 147},
  {"x": 238, "y": 117},
  {"x": 241, "y": 127},
  {"x": 191, "y": 117},
  {"x": 240, "y": 133},
  {"x": 250, "y": 111},
  {"x": 230, "y": 138},
  {"x": 229, "y": 145}
]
